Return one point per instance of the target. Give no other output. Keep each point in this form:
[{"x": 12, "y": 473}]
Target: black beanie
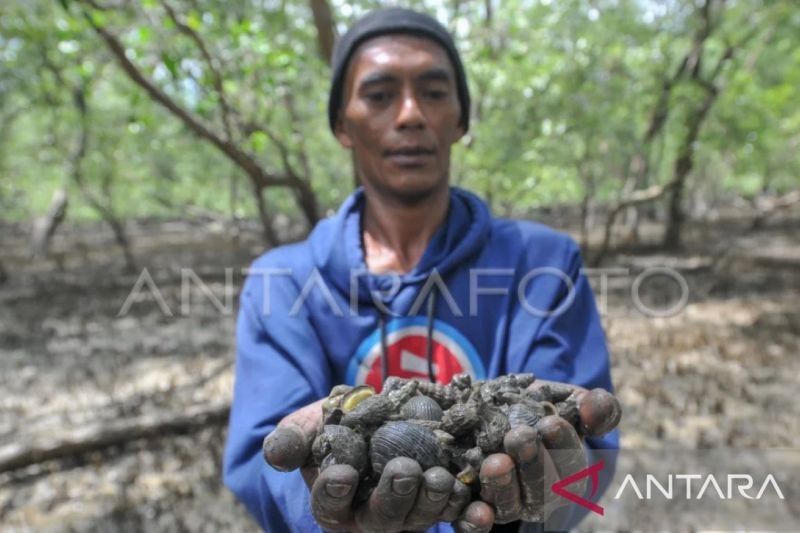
[{"x": 386, "y": 21}]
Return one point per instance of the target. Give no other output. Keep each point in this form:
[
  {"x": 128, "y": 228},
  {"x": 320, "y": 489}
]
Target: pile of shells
[{"x": 454, "y": 426}]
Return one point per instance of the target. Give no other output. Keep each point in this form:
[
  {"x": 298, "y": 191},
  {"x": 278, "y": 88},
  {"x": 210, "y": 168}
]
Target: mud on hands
[{"x": 419, "y": 453}]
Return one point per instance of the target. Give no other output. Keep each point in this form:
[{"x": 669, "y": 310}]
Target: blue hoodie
[{"x": 489, "y": 296}]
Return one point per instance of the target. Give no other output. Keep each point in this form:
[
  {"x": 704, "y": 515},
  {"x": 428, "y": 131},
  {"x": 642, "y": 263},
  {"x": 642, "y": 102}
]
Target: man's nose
[{"x": 410, "y": 115}]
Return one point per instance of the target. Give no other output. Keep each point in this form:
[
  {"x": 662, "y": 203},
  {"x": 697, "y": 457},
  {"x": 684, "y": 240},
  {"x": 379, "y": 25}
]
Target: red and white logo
[
  {"x": 593, "y": 473},
  {"x": 406, "y": 343}
]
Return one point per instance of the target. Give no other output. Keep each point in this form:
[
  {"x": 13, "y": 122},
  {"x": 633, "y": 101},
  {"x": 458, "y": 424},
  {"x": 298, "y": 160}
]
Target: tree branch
[
  {"x": 326, "y": 28},
  {"x": 103, "y": 435},
  {"x": 302, "y": 152},
  {"x": 210, "y": 62},
  {"x": 239, "y": 157}
]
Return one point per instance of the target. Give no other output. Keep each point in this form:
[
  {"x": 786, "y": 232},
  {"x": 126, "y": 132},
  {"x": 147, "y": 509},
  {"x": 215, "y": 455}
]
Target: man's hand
[
  {"x": 517, "y": 482},
  {"x": 514, "y": 485},
  {"x": 406, "y": 498}
]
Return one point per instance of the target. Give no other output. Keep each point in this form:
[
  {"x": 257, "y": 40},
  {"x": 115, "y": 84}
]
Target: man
[{"x": 410, "y": 278}]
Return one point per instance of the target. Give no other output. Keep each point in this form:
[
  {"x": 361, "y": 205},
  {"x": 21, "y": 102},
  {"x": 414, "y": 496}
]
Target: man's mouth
[{"x": 410, "y": 156}]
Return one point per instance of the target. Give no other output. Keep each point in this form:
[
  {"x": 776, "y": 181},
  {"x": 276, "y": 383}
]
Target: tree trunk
[
  {"x": 268, "y": 232},
  {"x": 672, "y": 236},
  {"x": 585, "y": 221},
  {"x": 326, "y": 28},
  {"x": 640, "y": 197},
  {"x": 308, "y": 201},
  {"x": 685, "y": 162},
  {"x": 100, "y": 436},
  {"x": 76, "y": 174},
  {"x": 258, "y": 174},
  {"x": 121, "y": 238},
  {"x": 683, "y": 167},
  {"x": 45, "y": 227}
]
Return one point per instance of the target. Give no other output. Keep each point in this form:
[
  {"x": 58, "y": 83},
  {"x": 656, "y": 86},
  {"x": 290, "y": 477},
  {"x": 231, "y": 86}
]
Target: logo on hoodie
[{"x": 406, "y": 343}]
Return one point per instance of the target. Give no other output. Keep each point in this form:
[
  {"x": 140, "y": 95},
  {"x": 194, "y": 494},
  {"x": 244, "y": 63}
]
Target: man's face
[{"x": 400, "y": 116}]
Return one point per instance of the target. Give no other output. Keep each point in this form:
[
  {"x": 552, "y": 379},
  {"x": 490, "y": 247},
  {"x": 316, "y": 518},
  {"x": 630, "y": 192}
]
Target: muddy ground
[{"x": 723, "y": 371}]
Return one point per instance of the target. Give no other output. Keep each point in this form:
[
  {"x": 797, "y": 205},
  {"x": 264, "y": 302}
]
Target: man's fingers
[
  {"x": 563, "y": 443},
  {"x": 332, "y": 496},
  {"x": 565, "y": 448},
  {"x": 478, "y": 517},
  {"x": 499, "y": 487},
  {"x": 289, "y": 446},
  {"x": 552, "y": 391},
  {"x": 310, "y": 474},
  {"x": 523, "y": 444},
  {"x": 433, "y": 495},
  {"x": 459, "y": 499},
  {"x": 600, "y": 412},
  {"x": 393, "y": 498}
]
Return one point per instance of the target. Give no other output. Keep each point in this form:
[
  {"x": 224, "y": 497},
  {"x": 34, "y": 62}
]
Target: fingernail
[
  {"x": 338, "y": 490},
  {"x": 436, "y": 496},
  {"x": 404, "y": 485},
  {"x": 468, "y": 527}
]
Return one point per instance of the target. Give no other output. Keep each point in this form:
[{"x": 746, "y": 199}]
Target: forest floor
[{"x": 723, "y": 371}]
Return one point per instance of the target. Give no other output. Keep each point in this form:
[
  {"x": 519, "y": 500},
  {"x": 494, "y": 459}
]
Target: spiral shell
[
  {"x": 461, "y": 382},
  {"x": 568, "y": 410},
  {"x": 460, "y": 419},
  {"x": 400, "y": 395},
  {"x": 404, "y": 439},
  {"x": 373, "y": 411},
  {"x": 521, "y": 414},
  {"x": 522, "y": 381},
  {"x": 421, "y": 408},
  {"x": 340, "y": 445},
  {"x": 492, "y": 429},
  {"x": 352, "y": 398},
  {"x": 444, "y": 395}
]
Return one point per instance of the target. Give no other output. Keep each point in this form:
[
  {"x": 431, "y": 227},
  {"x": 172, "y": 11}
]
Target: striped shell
[
  {"x": 520, "y": 414},
  {"x": 340, "y": 445},
  {"x": 421, "y": 408},
  {"x": 404, "y": 439}
]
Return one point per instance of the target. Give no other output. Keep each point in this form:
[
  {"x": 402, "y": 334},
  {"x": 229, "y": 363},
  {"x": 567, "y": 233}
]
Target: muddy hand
[
  {"x": 406, "y": 498},
  {"x": 288, "y": 447},
  {"x": 517, "y": 483}
]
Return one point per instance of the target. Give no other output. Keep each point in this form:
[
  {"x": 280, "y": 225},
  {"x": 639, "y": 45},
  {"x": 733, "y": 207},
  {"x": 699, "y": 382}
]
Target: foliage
[{"x": 564, "y": 92}]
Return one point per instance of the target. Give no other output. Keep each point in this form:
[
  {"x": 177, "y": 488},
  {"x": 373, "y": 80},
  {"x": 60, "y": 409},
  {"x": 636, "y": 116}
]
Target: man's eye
[
  {"x": 378, "y": 97},
  {"x": 436, "y": 94}
]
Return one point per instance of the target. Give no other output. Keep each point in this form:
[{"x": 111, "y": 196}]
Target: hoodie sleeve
[
  {"x": 568, "y": 345},
  {"x": 280, "y": 367}
]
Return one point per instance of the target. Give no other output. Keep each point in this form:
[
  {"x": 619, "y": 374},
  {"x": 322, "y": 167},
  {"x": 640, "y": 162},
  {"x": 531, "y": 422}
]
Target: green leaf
[
  {"x": 144, "y": 34},
  {"x": 258, "y": 141},
  {"x": 171, "y": 63},
  {"x": 193, "y": 21}
]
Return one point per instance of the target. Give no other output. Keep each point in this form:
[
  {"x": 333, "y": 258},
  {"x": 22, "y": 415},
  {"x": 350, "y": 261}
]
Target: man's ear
[
  {"x": 460, "y": 131},
  {"x": 343, "y": 137}
]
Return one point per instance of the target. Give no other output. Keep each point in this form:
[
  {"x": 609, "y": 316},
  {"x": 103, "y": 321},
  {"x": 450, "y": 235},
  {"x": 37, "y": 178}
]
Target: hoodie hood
[{"x": 339, "y": 255}]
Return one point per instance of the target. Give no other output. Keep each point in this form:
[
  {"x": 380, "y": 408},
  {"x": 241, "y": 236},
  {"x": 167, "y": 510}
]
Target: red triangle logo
[{"x": 593, "y": 473}]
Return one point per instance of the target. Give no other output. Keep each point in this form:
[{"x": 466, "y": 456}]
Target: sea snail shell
[
  {"x": 404, "y": 439},
  {"x": 421, "y": 408}
]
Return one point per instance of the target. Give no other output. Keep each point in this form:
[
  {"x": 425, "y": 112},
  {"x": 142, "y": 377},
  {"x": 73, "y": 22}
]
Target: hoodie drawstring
[
  {"x": 428, "y": 340},
  {"x": 384, "y": 349}
]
